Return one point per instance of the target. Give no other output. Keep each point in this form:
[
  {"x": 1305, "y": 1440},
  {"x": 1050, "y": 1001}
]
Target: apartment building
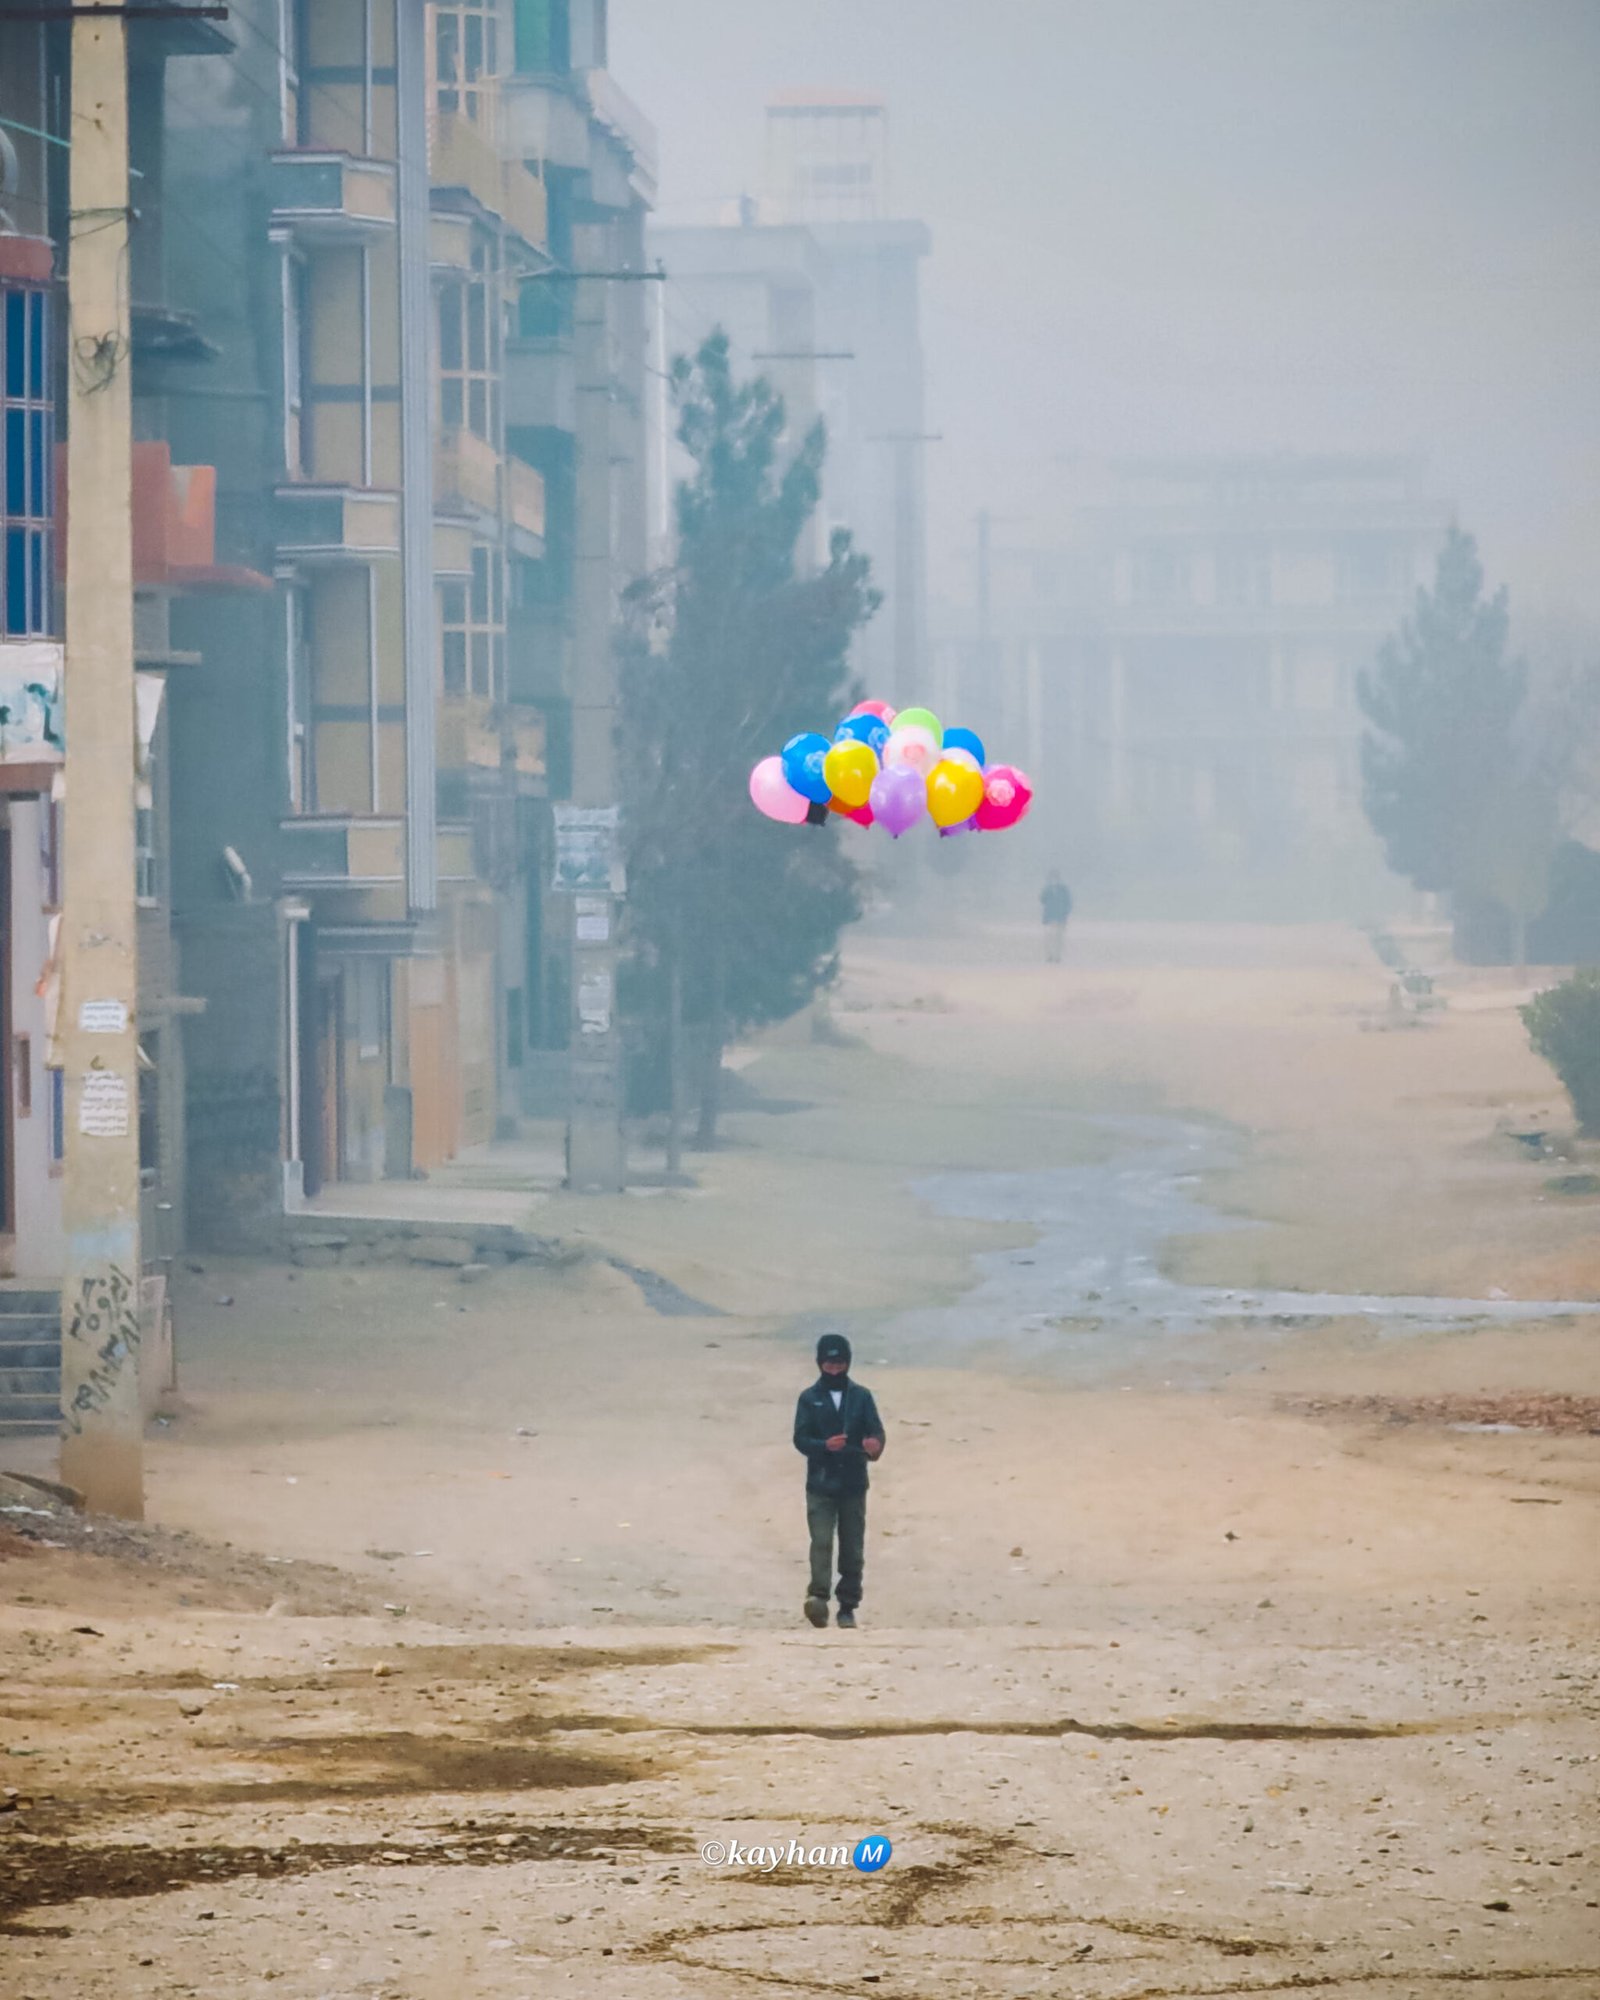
[
  {"x": 817, "y": 283},
  {"x": 389, "y": 480},
  {"x": 1175, "y": 646},
  {"x": 172, "y": 506}
]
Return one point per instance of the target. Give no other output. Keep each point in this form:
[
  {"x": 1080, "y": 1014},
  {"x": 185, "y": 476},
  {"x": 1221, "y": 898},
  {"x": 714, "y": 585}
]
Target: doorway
[{"x": 323, "y": 1121}]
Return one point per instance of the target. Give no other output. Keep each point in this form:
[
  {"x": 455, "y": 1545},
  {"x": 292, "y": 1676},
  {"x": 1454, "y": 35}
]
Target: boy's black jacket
[{"x": 836, "y": 1473}]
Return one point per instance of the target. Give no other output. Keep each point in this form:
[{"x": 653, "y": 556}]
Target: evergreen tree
[
  {"x": 732, "y": 920},
  {"x": 1445, "y": 783}
]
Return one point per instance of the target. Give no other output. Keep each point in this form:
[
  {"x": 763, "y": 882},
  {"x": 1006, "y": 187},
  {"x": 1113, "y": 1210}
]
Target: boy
[{"x": 838, "y": 1432}]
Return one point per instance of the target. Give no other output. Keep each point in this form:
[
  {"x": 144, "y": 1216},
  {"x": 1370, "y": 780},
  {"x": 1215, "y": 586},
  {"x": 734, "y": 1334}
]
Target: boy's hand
[
  {"x": 872, "y": 1446},
  {"x": 837, "y": 1443}
]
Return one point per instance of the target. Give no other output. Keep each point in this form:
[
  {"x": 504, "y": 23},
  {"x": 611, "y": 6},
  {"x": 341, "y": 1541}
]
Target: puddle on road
[{"x": 1089, "y": 1298}]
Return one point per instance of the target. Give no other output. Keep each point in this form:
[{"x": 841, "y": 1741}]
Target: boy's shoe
[
  {"x": 816, "y": 1609},
  {"x": 847, "y": 1619}
]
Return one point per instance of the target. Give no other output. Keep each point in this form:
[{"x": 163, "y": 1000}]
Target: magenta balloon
[
  {"x": 774, "y": 795},
  {"x": 899, "y": 798},
  {"x": 1007, "y": 795}
]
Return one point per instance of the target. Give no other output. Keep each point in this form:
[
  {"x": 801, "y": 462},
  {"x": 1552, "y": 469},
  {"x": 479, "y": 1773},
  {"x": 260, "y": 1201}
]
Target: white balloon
[{"x": 914, "y": 747}]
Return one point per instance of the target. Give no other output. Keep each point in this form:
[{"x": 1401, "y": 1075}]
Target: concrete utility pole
[{"x": 102, "y": 1442}]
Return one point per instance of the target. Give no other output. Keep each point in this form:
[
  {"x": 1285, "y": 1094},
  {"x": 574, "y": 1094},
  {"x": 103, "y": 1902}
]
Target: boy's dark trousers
[{"x": 846, "y": 1515}]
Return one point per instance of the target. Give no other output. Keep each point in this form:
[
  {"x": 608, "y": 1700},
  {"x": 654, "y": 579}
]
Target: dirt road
[{"x": 1233, "y": 1669}]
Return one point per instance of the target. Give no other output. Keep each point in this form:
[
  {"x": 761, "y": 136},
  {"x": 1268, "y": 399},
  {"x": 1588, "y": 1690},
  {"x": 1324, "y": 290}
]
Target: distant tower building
[
  {"x": 818, "y": 290},
  {"x": 828, "y": 157}
]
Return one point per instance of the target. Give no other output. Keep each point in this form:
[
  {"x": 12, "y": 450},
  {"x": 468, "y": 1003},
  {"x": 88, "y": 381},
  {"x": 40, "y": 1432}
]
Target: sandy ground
[{"x": 487, "y": 1619}]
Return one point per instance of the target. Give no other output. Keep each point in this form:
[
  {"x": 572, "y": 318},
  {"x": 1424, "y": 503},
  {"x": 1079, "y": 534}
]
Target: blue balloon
[
  {"x": 868, "y": 729},
  {"x": 802, "y": 766},
  {"x": 967, "y": 739}
]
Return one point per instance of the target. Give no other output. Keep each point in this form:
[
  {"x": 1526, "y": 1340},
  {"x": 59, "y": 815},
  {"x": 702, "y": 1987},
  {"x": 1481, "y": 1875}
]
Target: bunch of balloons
[{"x": 888, "y": 769}]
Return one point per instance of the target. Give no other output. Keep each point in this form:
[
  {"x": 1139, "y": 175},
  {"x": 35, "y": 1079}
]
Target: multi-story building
[
  {"x": 389, "y": 484},
  {"x": 1177, "y": 660},
  {"x": 364, "y": 847},
  {"x": 817, "y": 285},
  {"x": 174, "y": 567}
]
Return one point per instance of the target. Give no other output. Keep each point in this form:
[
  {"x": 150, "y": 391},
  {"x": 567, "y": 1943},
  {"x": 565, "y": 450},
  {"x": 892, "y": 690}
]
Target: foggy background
[{"x": 1168, "y": 227}]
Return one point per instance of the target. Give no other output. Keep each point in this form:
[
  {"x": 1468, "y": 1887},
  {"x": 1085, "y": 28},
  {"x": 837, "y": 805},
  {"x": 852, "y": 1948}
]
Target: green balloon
[{"x": 920, "y": 718}]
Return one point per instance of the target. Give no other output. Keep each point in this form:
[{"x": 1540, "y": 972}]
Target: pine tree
[
  {"x": 733, "y": 921},
  {"x": 1446, "y": 788}
]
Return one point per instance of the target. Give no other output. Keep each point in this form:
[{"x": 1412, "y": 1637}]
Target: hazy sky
[{"x": 1168, "y": 225}]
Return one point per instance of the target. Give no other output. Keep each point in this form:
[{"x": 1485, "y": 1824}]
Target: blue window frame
[{"x": 27, "y": 448}]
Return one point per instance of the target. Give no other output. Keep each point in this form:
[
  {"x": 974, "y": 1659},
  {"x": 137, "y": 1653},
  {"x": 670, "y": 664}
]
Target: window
[
  {"x": 1369, "y": 566},
  {"x": 146, "y": 869},
  {"x": 296, "y": 322},
  {"x": 291, "y": 44},
  {"x": 469, "y": 344},
  {"x": 372, "y": 1008},
  {"x": 472, "y": 620},
  {"x": 1160, "y": 575},
  {"x": 150, "y": 1108},
  {"x": 50, "y": 852},
  {"x": 466, "y": 54},
  {"x": 58, "y": 1118},
  {"x": 27, "y": 445},
  {"x": 544, "y": 44},
  {"x": 297, "y": 671},
  {"x": 1244, "y": 576},
  {"x": 453, "y": 636},
  {"x": 544, "y": 308}
]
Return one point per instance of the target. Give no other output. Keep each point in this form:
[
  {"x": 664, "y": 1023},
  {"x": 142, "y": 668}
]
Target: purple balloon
[{"x": 899, "y": 798}]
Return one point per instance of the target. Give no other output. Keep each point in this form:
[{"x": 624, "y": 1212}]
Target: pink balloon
[
  {"x": 774, "y": 795},
  {"x": 1007, "y": 795},
  {"x": 880, "y": 709},
  {"x": 899, "y": 798},
  {"x": 863, "y": 816}
]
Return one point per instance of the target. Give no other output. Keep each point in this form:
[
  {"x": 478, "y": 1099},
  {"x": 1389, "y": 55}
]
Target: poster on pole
[{"x": 587, "y": 851}]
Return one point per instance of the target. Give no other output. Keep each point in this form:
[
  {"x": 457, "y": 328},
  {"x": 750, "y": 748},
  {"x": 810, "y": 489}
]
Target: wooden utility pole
[{"x": 102, "y": 1450}]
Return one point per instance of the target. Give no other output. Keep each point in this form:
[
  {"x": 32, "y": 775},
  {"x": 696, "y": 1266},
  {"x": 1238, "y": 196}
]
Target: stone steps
[{"x": 30, "y": 1363}]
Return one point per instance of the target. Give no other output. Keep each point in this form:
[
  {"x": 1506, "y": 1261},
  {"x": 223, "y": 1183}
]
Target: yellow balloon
[
  {"x": 954, "y": 793},
  {"x": 848, "y": 771}
]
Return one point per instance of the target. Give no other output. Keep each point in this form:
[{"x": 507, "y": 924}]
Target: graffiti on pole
[{"x": 105, "y": 1317}]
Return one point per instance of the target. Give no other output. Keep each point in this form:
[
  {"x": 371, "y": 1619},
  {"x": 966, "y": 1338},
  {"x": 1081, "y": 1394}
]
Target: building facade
[
  {"x": 1179, "y": 658},
  {"x": 817, "y": 284},
  {"x": 173, "y": 514},
  {"x": 389, "y": 486}
]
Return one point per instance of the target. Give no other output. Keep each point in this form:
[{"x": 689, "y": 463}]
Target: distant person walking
[
  {"x": 838, "y": 1432},
  {"x": 1055, "y": 902}
]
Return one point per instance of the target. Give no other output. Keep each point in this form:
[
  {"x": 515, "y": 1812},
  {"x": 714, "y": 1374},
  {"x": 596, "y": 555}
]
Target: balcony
[
  {"x": 466, "y": 472},
  {"x": 174, "y": 517},
  {"x": 462, "y": 159},
  {"x": 469, "y": 738},
  {"x": 337, "y": 524},
  {"x": 526, "y": 741},
  {"x": 331, "y": 197},
  {"x": 525, "y": 505},
  {"x": 617, "y": 114},
  {"x": 342, "y": 853}
]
